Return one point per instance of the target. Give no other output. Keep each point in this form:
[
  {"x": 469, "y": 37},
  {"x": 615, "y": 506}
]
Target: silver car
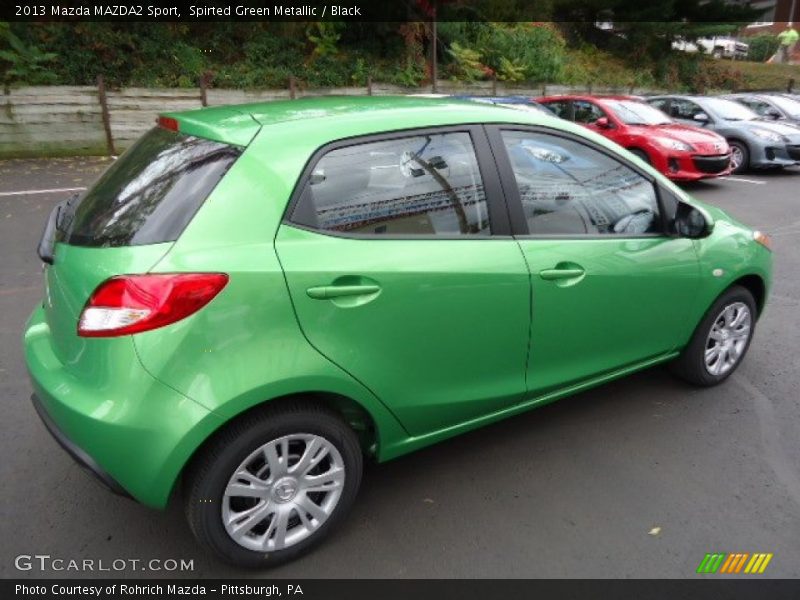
[
  {"x": 755, "y": 142},
  {"x": 775, "y": 107}
]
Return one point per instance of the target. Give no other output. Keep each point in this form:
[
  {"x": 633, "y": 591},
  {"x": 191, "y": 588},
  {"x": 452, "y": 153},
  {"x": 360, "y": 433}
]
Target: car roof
[
  {"x": 239, "y": 123},
  {"x": 587, "y": 97}
]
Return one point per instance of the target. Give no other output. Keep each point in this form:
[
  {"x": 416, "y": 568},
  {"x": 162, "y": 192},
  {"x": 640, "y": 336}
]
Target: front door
[
  {"x": 609, "y": 288},
  {"x": 402, "y": 270}
]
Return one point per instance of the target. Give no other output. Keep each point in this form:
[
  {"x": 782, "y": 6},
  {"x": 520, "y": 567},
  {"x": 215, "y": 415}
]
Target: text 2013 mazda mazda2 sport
[{"x": 254, "y": 298}]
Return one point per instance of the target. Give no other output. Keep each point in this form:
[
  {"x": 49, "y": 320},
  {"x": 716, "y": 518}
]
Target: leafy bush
[
  {"x": 466, "y": 63},
  {"x": 538, "y": 49},
  {"x": 762, "y": 47},
  {"x": 26, "y": 63}
]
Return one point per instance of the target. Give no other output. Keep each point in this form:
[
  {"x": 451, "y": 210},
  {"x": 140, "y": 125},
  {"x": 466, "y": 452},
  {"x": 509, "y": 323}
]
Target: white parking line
[
  {"x": 52, "y": 191},
  {"x": 743, "y": 180}
]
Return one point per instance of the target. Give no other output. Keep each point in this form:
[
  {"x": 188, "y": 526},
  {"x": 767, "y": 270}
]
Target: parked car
[
  {"x": 523, "y": 102},
  {"x": 681, "y": 152},
  {"x": 254, "y": 299},
  {"x": 755, "y": 142},
  {"x": 774, "y": 107},
  {"x": 720, "y": 46}
]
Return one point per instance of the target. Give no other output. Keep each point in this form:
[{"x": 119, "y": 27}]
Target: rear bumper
[
  {"x": 131, "y": 431},
  {"x": 77, "y": 454}
]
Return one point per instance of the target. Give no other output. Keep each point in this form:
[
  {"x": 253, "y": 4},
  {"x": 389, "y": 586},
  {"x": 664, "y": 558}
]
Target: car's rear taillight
[
  {"x": 167, "y": 123},
  {"x": 135, "y": 303}
]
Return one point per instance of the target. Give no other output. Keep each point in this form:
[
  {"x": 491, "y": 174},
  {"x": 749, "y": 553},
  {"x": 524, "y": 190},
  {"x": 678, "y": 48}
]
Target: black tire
[
  {"x": 641, "y": 154},
  {"x": 742, "y": 147},
  {"x": 210, "y": 472},
  {"x": 690, "y": 365}
]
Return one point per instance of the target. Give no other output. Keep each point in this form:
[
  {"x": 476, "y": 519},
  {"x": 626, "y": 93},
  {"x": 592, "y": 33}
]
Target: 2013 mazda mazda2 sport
[{"x": 252, "y": 299}]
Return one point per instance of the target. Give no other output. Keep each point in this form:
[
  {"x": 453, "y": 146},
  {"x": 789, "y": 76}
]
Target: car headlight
[
  {"x": 766, "y": 134},
  {"x": 671, "y": 144},
  {"x": 763, "y": 239}
]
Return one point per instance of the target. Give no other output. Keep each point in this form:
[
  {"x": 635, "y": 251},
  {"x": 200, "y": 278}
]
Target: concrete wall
[{"x": 67, "y": 120}]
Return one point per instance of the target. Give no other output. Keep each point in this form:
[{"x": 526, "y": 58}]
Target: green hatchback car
[{"x": 254, "y": 299}]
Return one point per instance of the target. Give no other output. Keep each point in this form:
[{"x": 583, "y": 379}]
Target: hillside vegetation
[{"x": 266, "y": 55}]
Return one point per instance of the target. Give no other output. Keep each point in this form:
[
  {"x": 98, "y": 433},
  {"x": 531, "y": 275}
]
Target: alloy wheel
[
  {"x": 283, "y": 492},
  {"x": 728, "y": 338},
  {"x": 737, "y": 157}
]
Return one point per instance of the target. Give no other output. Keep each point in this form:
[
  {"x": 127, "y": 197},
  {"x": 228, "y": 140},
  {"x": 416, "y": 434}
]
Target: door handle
[
  {"x": 555, "y": 274},
  {"x": 327, "y": 292}
]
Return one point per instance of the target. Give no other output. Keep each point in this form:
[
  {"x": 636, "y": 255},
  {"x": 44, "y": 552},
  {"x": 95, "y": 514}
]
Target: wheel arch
[
  {"x": 354, "y": 413},
  {"x": 756, "y": 285}
]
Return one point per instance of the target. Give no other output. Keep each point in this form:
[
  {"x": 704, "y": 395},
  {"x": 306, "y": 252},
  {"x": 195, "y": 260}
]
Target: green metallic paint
[
  {"x": 459, "y": 333},
  {"x": 447, "y": 335}
]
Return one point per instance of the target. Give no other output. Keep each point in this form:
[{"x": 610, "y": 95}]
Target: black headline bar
[
  {"x": 483, "y": 589},
  {"x": 372, "y": 10}
]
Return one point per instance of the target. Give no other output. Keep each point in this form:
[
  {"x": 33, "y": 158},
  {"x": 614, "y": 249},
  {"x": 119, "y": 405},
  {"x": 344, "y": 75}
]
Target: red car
[{"x": 680, "y": 152}]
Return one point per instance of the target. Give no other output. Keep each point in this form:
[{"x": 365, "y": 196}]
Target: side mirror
[
  {"x": 701, "y": 117},
  {"x": 690, "y": 222},
  {"x": 603, "y": 123},
  {"x": 773, "y": 113}
]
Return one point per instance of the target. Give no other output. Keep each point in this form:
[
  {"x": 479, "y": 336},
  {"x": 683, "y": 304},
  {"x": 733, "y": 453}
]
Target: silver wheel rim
[
  {"x": 737, "y": 157},
  {"x": 283, "y": 492},
  {"x": 728, "y": 338}
]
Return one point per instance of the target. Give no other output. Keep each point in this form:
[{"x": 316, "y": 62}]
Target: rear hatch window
[{"x": 149, "y": 194}]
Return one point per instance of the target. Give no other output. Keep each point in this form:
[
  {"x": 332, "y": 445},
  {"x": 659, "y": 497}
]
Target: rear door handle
[
  {"x": 326, "y": 292},
  {"x": 555, "y": 274}
]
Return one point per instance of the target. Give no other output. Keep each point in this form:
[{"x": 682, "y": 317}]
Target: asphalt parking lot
[{"x": 638, "y": 478}]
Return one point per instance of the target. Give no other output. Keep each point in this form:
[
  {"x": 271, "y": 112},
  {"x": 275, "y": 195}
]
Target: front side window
[
  {"x": 684, "y": 109},
  {"x": 757, "y": 106},
  {"x": 568, "y": 188},
  {"x": 659, "y": 103},
  {"x": 587, "y": 112},
  {"x": 421, "y": 185}
]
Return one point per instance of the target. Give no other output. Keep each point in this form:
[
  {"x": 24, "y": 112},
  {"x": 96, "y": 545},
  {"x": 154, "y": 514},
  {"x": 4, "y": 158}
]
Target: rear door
[
  {"x": 609, "y": 288},
  {"x": 402, "y": 270}
]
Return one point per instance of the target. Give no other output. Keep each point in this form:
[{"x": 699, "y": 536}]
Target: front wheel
[
  {"x": 720, "y": 341},
  {"x": 740, "y": 157},
  {"x": 273, "y": 484}
]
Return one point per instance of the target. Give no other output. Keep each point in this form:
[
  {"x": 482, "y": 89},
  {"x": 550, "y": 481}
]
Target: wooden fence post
[
  {"x": 292, "y": 88},
  {"x": 204, "y": 89},
  {"x": 101, "y": 97},
  {"x": 494, "y": 84},
  {"x": 369, "y": 85}
]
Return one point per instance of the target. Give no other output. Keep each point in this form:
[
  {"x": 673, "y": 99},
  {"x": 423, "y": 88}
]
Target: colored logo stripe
[{"x": 720, "y": 562}]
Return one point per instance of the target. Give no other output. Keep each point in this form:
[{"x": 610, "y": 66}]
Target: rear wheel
[
  {"x": 720, "y": 341},
  {"x": 740, "y": 156},
  {"x": 273, "y": 485}
]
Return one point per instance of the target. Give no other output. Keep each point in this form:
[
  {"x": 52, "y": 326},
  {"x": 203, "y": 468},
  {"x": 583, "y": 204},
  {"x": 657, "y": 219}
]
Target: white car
[{"x": 718, "y": 47}]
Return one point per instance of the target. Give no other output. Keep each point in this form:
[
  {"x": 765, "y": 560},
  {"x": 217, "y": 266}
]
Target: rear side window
[
  {"x": 420, "y": 185},
  {"x": 150, "y": 193}
]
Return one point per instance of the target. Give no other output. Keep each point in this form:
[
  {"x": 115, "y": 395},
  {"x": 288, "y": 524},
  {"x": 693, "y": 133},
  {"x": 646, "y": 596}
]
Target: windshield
[
  {"x": 637, "y": 113},
  {"x": 787, "y": 105},
  {"x": 729, "y": 110}
]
